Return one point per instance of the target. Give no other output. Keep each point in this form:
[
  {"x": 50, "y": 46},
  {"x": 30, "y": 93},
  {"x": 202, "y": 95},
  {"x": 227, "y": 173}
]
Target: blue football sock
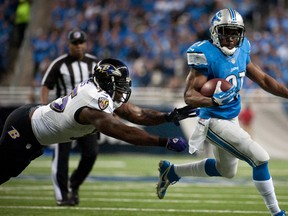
[
  {"x": 261, "y": 173},
  {"x": 210, "y": 167}
]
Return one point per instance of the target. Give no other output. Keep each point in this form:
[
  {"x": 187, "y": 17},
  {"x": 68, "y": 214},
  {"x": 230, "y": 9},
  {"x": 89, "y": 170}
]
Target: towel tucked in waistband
[{"x": 199, "y": 135}]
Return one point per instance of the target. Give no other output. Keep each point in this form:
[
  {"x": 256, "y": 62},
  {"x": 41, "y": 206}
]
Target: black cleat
[
  {"x": 74, "y": 196},
  {"x": 68, "y": 202}
]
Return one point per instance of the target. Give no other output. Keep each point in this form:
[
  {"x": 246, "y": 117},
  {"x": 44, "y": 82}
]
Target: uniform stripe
[
  {"x": 61, "y": 87},
  {"x": 81, "y": 73},
  {"x": 55, "y": 161},
  {"x": 72, "y": 77},
  {"x": 51, "y": 66},
  {"x": 232, "y": 14},
  {"x": 214, "y": 138}
]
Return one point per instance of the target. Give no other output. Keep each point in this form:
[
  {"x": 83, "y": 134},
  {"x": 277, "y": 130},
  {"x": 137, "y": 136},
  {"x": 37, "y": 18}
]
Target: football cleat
[
  {"x": 74, "y": 196},
  {"x": 281, "y": 213},
  {"x": 66, "y": 202},
  {"x": 167, "y": 176}
]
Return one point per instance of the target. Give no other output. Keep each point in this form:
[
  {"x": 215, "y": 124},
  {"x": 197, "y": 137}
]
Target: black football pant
[
  {"x": 18, "y": 145},
  {"x": 60, "y": 165}
]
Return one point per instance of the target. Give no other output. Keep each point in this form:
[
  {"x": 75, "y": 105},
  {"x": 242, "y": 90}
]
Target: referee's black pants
[{"x": 60, "y": 165}]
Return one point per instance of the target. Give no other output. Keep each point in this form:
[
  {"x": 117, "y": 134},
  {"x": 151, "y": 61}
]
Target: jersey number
[
  {"x": 59, "y": 104},
  {"x": 233, "y": 79}
]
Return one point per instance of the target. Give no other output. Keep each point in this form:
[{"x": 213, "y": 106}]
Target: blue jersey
[{"x": 211, "y": 62}]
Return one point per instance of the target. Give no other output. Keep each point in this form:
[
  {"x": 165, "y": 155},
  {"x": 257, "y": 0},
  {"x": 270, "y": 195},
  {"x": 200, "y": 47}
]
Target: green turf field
[{"x": 124, "y": 185}]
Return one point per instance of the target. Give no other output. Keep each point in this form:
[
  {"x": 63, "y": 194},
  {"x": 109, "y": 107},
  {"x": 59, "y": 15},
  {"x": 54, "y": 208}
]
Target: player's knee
[
  {"x": 229, "y": 174},
  {"x": 228, "y": 171},
  {"x": 259, "y": 154},
  {"x": 259, "y": 163}
]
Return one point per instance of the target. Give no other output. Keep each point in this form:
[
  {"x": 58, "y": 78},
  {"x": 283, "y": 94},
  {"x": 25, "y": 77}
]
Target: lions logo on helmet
[
  {"x": 216, "y": 18},
  {"x": 223, "y": 20}
]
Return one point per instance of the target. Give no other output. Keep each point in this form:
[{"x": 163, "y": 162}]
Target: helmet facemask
[
  {"x": 121, "y": 87},
  {"x": 223, "y": 23}
]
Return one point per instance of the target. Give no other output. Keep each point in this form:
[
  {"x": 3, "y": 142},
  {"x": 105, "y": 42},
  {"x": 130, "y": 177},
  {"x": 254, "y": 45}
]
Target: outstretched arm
[
  {"x": 107, "y": 124},
  {"x": 148, "y": 117},
  {"x": 141, "y": 116},
  {"x": 266, "y": 82}
]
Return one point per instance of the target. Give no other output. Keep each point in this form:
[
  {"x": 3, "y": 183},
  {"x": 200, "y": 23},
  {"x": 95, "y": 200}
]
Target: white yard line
[{"x": 137, "y": 210}]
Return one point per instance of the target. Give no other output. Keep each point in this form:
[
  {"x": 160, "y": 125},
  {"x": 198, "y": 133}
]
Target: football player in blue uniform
[{"x": 226, "y": 55}]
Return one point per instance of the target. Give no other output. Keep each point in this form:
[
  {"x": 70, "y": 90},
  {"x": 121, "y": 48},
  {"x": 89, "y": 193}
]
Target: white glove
[{"x": 221, "y": 98}]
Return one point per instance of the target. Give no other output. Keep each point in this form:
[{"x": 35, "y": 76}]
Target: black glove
[{"x": 181, "y": 113}]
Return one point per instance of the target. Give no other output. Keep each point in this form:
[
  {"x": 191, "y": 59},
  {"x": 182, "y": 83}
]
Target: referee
[{"x": 64, "y": 73}]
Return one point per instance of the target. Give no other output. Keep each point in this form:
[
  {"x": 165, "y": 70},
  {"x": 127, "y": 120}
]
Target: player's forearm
[
  {"x": 141, "y": 116},
  {"x": 149, "y": 117},
  {"x": 195, "y": 99},
  {"x": 275, "y": 88},
  {"x": 135, "y": 136},
  {"x": 145, "y": 139}
]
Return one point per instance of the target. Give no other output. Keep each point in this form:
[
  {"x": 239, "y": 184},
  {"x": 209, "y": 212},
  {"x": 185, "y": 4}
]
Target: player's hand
[
  {"x": 179, "y": 114},
  {"x": 221, "y": 98},
  {"x": 177, "y": 144}
]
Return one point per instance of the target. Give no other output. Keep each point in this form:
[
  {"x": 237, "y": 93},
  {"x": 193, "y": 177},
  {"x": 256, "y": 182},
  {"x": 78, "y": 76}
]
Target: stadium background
[{"x": 151, "y": 37}]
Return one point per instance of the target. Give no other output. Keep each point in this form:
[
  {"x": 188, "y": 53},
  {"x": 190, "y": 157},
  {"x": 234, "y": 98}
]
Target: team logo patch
[
  {"x": 103, "y": 103},
  {"x": 14, "y": 134}
]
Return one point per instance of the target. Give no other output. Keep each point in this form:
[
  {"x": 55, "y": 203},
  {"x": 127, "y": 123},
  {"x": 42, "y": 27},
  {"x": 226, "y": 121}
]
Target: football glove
[
  {"x": 177, "y": 144},
  {"x": 221, "y": 98},
  {"x": 179, "y": 114}
]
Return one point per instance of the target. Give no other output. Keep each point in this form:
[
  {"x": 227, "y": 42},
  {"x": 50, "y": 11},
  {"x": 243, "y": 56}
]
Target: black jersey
[{"x": 66, "y": 72}]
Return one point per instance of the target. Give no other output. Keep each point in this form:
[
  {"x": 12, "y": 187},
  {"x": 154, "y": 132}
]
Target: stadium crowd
[
  {"x": 7, "y": 14},
  {"x": 152, "y": 36}
]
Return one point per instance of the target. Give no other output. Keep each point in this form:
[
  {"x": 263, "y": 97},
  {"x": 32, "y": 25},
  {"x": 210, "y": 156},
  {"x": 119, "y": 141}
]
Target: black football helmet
[{"x": 112, "y": 76}]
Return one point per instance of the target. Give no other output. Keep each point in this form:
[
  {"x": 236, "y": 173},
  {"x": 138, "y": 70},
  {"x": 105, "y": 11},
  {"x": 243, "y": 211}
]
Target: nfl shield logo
[{"x": 103, "y": 103}]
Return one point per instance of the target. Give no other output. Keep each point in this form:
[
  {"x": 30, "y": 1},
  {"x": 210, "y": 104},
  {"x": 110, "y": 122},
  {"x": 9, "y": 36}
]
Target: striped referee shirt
[{"x": 66, "y": 72}]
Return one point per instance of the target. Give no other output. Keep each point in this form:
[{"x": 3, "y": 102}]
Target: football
[{"x": 209, "y": 87}]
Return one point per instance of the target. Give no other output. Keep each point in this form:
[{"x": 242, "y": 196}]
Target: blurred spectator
[
  {"x": 153, "y": 35},
  {"x": 4, "y": 37},
  {"x": 7, "y": 15},
  {"x": 246, "y": 118},
  {"x": 41, "y": 49},
  {"x": 22, "y": 19}
]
